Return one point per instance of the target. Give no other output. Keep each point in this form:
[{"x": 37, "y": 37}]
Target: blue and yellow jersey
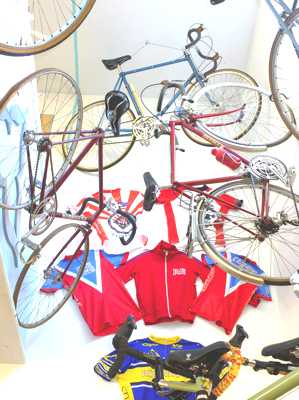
[{"x": 135, "y": 376}]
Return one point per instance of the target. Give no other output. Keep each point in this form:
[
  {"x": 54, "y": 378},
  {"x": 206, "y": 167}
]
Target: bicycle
[
  {"x": 34, "y": 304},
  {"x": 209, "y": 371},
  {"x": 248, "y": 216},
  {"x": 283, "y": 61},
  {"x": 41, "y": 24},
  {"x": 140, "y": 128},
  {"x": 41, "y": 202}
]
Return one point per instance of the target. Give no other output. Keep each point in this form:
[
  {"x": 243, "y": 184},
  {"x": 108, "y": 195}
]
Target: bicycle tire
[
  {"x": 284, "y": 93},
  {"x": 263, "y": 124},
  {"x": 25, "y": 292},
  {"x": 263, "y": 252},
  {"x": 68, "y": 21},
  {"x": 114, "y": 149},
  {"x": 227, "y": 75},
  {"x": 44, "y": 100}
]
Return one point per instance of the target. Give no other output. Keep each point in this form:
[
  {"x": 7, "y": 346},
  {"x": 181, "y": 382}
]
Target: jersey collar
[
  {"x": 164, "y": 340},
  {"x": 163, "y": 247}
]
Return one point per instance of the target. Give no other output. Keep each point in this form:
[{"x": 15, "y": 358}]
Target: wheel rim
[
  {"x": 33, "y": 306},
  {"x": 43, "y": 102},
  {"x": 115, "y": 148},
  {"x": 255, "y": 120},
  {"x": 220, "y": 76},
  {"x": 277, "y": 254},
  {"x": 42, "y": 24},
  {"x": 283, "y": 72}
]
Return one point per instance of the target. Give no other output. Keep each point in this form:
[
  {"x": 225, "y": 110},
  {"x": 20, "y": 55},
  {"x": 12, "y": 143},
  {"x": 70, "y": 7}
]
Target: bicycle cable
[{"x": 143, "y": 103}]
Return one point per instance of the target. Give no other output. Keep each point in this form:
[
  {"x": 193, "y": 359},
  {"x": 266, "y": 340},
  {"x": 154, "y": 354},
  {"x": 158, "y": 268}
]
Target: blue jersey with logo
[
  {"x": 262, "y": 292},
  {"x": 135, "y": 376}
]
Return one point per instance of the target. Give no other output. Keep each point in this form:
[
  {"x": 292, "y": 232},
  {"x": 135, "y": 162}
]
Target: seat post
[{"x": 119, "y": 68}]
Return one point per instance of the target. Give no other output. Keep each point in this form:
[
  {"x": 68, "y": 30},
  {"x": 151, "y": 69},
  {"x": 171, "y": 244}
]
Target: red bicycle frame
[
  {"x": 95, "y": 137},
  {"x": 183, "y": 186}
]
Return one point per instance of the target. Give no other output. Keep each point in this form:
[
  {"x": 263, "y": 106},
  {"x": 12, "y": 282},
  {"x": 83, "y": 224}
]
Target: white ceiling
[{"x": 118, "y": 27}]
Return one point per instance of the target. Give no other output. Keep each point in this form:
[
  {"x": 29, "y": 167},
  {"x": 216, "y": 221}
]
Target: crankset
[{"x": 144, "y": 129}]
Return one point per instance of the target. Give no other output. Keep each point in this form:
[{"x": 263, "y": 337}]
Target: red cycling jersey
[{"x": 165, "y": 282}]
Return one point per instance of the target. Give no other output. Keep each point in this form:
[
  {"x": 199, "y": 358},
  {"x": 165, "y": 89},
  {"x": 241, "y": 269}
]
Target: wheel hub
[{"x": 267, "y": 226}]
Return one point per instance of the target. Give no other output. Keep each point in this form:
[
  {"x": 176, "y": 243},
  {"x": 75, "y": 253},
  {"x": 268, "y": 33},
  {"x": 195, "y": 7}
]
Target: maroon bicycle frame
[
  {"x": 183, "y": 186},
  {"x": 96, "y": 138}
]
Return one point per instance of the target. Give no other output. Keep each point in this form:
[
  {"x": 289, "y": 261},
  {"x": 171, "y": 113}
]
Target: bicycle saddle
[
  {"x": 208, "y": 355},
  {"x": 116, "y": 104},
  {"x": 114, "y": 62},
  {"x": 285, "y": 351}
]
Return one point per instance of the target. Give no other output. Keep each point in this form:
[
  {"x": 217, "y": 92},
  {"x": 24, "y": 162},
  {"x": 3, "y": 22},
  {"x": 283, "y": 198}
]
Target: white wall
[
  {"x": 63, "y": 350},
  {"x": 65, "y": 344},
  {"x": 262, "y": 38},
  {"x": 118, "y": 27},
  {"x": 12, "y": 70}
]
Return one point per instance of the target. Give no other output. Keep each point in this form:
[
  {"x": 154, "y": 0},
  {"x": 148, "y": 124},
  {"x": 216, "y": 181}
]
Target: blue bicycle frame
[
  {"x": 122, "y": 80},
  {"x": 281, "y": 20}
]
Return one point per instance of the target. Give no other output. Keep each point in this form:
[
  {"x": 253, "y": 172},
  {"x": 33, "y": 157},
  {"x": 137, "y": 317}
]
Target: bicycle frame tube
[
  {"x": 280, "y": 20},
  {"x": 280, "y": 387},
  {"x": 95, "y": 140},
  {"x": 283, "y": 5},
  {"x": 122, "y": 80},
  {"x": 189, "y": 184}
]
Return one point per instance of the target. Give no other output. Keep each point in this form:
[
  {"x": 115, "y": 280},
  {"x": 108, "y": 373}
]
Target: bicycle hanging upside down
[
  {"x": 248, "y": 216},
  {"x": 39, "y": 292}
]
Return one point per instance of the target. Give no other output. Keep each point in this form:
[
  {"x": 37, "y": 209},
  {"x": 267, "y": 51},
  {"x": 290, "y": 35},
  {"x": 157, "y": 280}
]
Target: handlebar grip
[
  {"x": 238, "y": 338},
  {"x": 120, "y": 342},
  {"x": 124, "y": 331}
]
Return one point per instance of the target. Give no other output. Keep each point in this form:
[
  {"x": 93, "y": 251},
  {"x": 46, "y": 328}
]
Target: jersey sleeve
[
  {"x": 201, "y": 269},
  {"x": 103, "y": 366},
  {"x": 127, "y": 270}
]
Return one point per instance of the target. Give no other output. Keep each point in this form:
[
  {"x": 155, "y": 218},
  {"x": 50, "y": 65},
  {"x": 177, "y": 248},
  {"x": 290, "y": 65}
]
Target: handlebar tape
[
  {"x": 132, "y": 221},
  {"x": 125, "y": 330},
  {"x": 120, "y": 343},
  {"x": 197, "y": 31},
  {"x": 114, "y": 369},
  {"x": 239, "y": 337},
  {"x": 214, "y": 57}
]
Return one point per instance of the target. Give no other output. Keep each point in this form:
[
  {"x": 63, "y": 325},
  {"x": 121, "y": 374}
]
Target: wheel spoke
[{"x": 274, "y": 243}]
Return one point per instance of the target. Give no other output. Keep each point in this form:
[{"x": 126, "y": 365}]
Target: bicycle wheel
[
  {"x": 42, "y": 24},
  {"x": 40, "y": 293},
  {"x": 41, "y": 103},
  {"x": 220, "y": 76},
  {"x": 239, "y": 113},
  {"x": 114, "y": 149},
  {"x": 283, "y": 73},
  {"x": 236, "y": 227}
]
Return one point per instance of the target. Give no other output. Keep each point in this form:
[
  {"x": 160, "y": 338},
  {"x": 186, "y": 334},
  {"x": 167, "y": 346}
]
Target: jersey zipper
[{"x": 166, "y": 283}]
